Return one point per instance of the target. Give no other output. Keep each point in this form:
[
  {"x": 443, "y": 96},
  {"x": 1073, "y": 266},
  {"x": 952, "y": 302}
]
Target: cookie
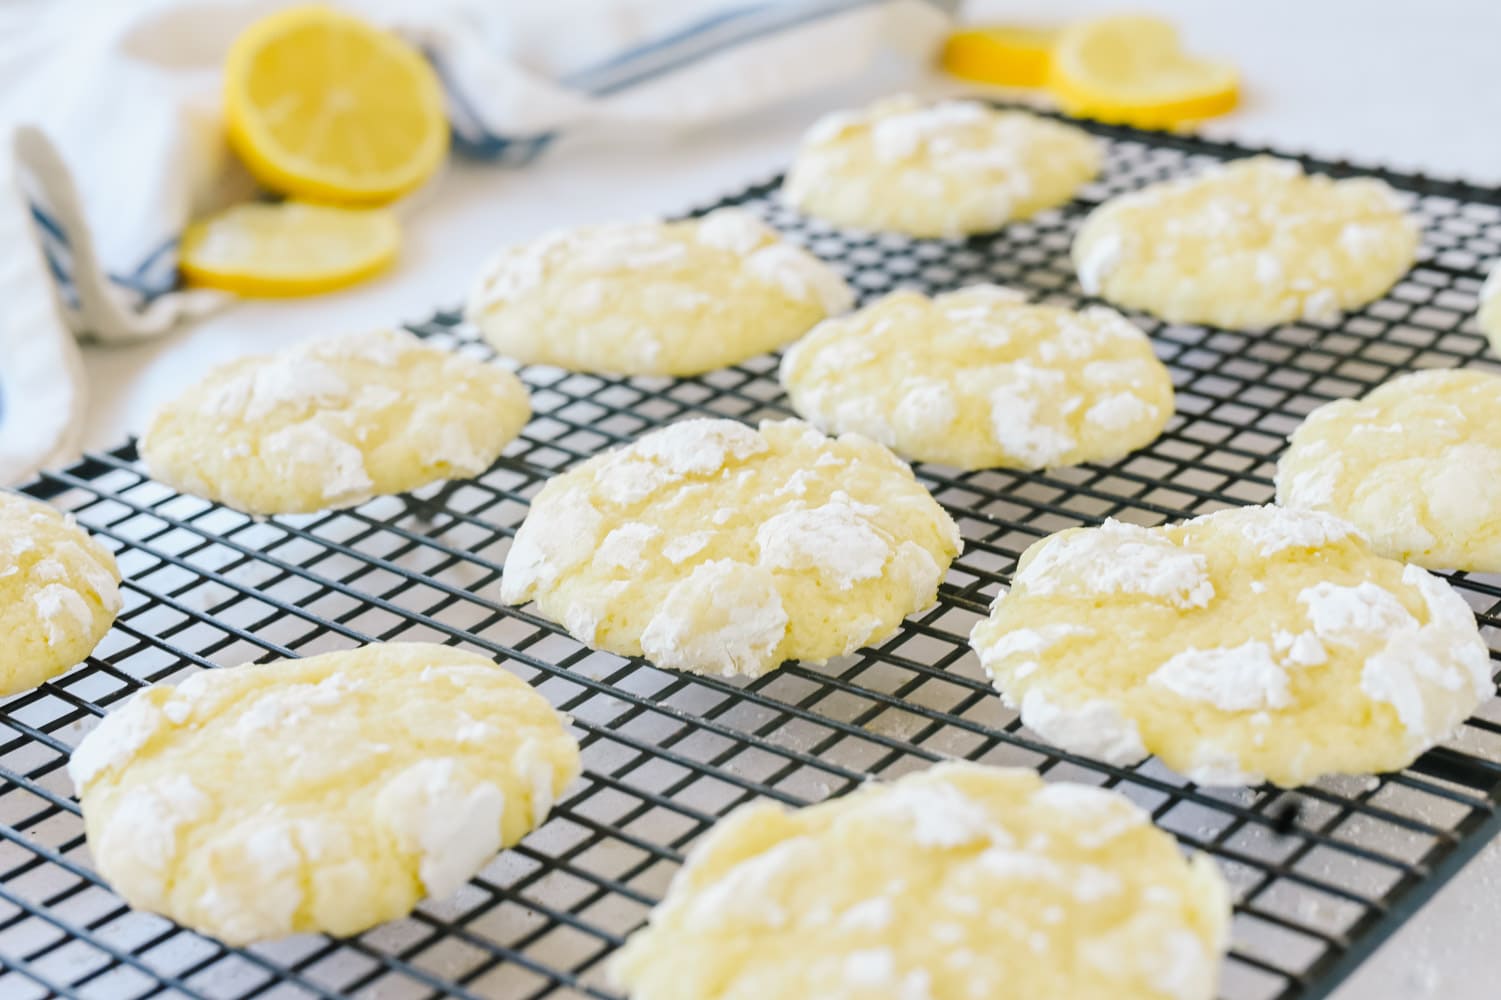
[
  {"x": 331, "y": 423},
  {"x": 1489, "y": 314},
  {"x": 948, "y": 169},
  {"x": 1247, "y": 245},
  {"x": 326, "y": 794},
  {"x": 714, "y": 547},
  {"x": 978, "y": 379},
  {"x": 654, "y": 298},
  {"x": 1252, "y": 644},
  {"x": 59, "y": 592},
  {"x": 1415, "y": 465},
  {"x": 957, "y": 882}
]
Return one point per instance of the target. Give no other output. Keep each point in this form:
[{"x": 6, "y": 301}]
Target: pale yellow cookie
[
  {"x": 1252, "y": 644},
  {"x": 1247, "y": 245},
  {"x": 324, "y": 794},
  {"x": 947, "y": 169},
  {"x": 1489, "y": 314},
  {"x": 956, "y": 883},
  {"x": 1415, "y": 465},
  {"x": 654, "y": 298},
  {"x": 977, "y": 379},
  {"x": 59, "y": 592},
  {"x": 331, "y": 423},
  {"x": 714, "y": 547}
]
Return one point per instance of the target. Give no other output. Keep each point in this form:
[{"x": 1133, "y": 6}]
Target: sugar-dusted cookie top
[
  {"x": 946, "y": 169},
  {"x": 956, "y": 882},
  {"x": 1251, "y": 644},
  {"x": 59, "y": 592},
  {"x": 323, "y": 794},
  {"x": 333, "y": 422},
  {"x": 1415, "y": 465},
  {"x": 1246, "y": 245},
  {"x": 977, "y": 378},
  {"x": 716, "y": 547},
  {"x": 654, "y": 298}
]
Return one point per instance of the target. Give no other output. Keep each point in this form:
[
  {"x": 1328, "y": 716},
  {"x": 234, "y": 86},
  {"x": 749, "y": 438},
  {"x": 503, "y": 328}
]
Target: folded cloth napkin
[{"x": 117, "y": 140}]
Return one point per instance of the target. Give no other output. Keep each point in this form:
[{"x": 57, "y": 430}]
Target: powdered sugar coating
[
  {"x": 1246, "y": 245},
  {"x": 800, "y": 277},
  {"x": 1231, "y": 678},
  {"x": 1095, "y": 727},
  {"x": 1443, "y": 652},
  {"x": 59, "y": 592},
  {"x": 880, "y": 893},
  {"x": 724, "y": 617},
  {"x": 1488, "y": 313},
  {"x": 945, "y": 169},
  {"x": 323, "y": 794},
  {"x": 835, "y": 540},
  {"x": 330, "y": 423},
  {"x": 977, "y": 378},
  {"x": 117, "y": 739},
  {"x": 453, "y": 826},
  {"x": 1097, "y": 259},
  {"x": 1272, "y": 529},
  {"x": 1221, "y": 643},
  {"x": 1415, "y": 465},
  {"x": 637, "y": 298},
  {"x": 712, "y": 546},
  {"x": 1117, "y": 558}
]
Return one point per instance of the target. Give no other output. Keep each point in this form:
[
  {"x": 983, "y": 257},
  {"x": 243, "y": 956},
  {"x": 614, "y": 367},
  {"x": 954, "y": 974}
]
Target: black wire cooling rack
[{"x": 1321, "y": 875}]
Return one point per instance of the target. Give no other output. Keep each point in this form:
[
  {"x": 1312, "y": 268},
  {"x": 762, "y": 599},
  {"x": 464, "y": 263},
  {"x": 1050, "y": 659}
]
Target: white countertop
[{"x": 1408, "y": 85}]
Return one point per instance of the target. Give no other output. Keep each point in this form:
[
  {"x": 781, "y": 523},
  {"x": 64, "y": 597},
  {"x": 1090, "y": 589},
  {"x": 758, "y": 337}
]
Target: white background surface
[{"x": 1414, "y": 85}]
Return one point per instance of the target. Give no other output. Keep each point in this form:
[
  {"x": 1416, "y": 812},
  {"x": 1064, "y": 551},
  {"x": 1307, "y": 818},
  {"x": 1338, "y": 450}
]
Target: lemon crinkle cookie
[
  {"x": 958, "y": 882},
  {"x": 976, "y": 378},
  {"x": 715, "y": 547},
  {"x": 1489, "y": 314},
  {"x": 333, "y": 422},
  {"x": 1247, "y": 245},
  {"x": 1254, "y": 643},
  {"x": 59, "y": 592},
  {"x": 324, "y": 794},
  {"x": 654, "y": 298},
  {"x": 947, "y": 169},
  {"x": 1415, "y": 465}
]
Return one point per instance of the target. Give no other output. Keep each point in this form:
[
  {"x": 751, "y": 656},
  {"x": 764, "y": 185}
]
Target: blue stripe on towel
[
  {"x": 57, "y": 251},
  {"x": 470, "y": 137},
  {"x": 165, "y": 247},
  {"x": 711, "y": 39},
  {"x": 587, "y": 79},
  {"x": 48, "y": 223},
  {"x": 61, "y": 277},
  {"x": 649, "y": 61}
]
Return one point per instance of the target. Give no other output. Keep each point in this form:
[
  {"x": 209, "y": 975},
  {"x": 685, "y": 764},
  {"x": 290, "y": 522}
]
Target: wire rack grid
[{"x": 1320, "y": 875}]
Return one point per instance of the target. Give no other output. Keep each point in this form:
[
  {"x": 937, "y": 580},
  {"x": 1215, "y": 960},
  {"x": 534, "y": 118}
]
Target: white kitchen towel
[{"x": 117, "y": 140}]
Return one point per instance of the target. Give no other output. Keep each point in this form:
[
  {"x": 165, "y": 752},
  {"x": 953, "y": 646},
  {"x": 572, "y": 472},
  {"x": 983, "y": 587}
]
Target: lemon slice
[
  {"x": 289, "y": 249},
  {"x": 321, "y": 105},
  {"x": 1008, "y": 56},
  {"x": 1130, "y": 69}
]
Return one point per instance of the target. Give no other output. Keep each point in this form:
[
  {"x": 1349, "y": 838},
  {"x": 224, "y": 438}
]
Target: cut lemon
[
  {"x": 1008, "y": 56},
  {"x": 289, "y": 249},
  {"x": 321, "y": 105},
  {"x": 1130, "y": 69}
]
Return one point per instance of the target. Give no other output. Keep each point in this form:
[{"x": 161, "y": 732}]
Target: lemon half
[
  {"x": 288, "y": 249},
  {"x": 323, "y": 106},
  {"x": 1132, "y": 70},
  {"x": 1008, "y": 56}
]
